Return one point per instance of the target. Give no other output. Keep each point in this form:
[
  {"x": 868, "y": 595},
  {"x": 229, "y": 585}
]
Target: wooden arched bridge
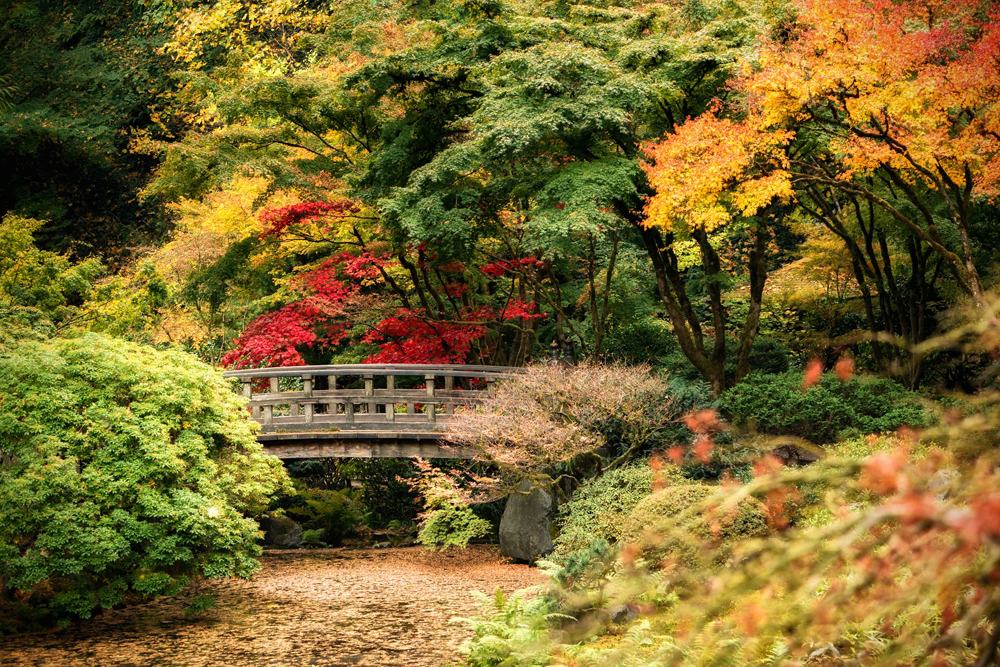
[{"x": 364, "y": 410}]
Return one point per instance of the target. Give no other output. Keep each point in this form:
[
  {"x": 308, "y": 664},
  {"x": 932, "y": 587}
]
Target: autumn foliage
[{"x": 877, "y": 103}]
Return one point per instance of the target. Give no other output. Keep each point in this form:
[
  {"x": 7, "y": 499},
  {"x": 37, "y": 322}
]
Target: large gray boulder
[
  {"x": 280, "y": 531},
  {"x": 525, "y": 529}
]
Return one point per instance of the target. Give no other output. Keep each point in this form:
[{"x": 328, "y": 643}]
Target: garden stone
[
  {"x": 280, "y": 531},
  {"x": 941, "y": 481},
  {"x": 623, "y": 613},
  {"x": 525, "y": 529}
]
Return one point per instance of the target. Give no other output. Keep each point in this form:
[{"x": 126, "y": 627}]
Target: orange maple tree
[{"x": 882, "y": 103}]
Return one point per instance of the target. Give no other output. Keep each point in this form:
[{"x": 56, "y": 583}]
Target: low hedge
[{"x": 778, "y": 405}]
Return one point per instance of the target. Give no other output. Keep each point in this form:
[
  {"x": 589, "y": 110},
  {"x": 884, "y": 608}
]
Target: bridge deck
[{"x": 338, "y": 411}]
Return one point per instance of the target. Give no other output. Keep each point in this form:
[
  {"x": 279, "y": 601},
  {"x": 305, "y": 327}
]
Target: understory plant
[
  {"x": 124, "y": 473},
  {"x": 598, "y": 509},
  {"x": 447, "y": 519},
  {"x": 778, "y": 405},
  {"x": 329, "y": 515}
]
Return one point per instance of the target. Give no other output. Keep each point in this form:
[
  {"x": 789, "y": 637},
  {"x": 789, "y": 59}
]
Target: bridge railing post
[
  {"x": 449, "y": 385},
  {"x": 370, "y": 391},
  {"x": 430, "y": 407},
  {"x": 248, "y": 393},
  {"x": 390, "y": 407},
  {"x": 307, "y": 391}
]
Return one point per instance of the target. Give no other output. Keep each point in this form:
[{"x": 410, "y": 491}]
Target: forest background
[
  {"x": 737, "y": 194},
  {"x": 285, "y": 183}
]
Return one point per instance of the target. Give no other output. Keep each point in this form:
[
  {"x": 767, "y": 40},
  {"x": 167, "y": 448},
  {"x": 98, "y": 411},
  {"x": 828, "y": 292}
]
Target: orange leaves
[
  {"x": 705, "y": 424},
  {"x": 844, "y": 368},
  {"x": 906, "y": 84},
  {"x": 712, "y": 169},
  {"x": 883, "y": 473},
  {"x": 813, "y": 372},
  {"x": 703, "y": 421}
]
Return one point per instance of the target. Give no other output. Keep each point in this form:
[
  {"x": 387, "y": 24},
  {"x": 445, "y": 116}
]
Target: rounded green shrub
[
  {"x": 642, "y": 341},
  {"x": 598, "y": 508},
  {"x": 124, "y": 471},
  {"x": 687, "y": 538},
  {"x": 452, "y": 525},
  {"x": 778, "y": 405}
]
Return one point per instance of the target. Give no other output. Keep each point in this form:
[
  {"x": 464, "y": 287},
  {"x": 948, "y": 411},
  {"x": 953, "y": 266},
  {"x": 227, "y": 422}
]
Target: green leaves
[{"x": 122, "y": 468}]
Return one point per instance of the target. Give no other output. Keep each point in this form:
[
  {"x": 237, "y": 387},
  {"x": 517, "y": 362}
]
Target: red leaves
[
  {"x": 495, "y": 269},
  {"x": 273, "y": 338},
  {"x": 341, "y": 283},
  {"x": 276, "y": 220},
  {"x": 500, "y": 267},
  {"x": 411, "y": 337},
  {"x": 521, "y": 309}
]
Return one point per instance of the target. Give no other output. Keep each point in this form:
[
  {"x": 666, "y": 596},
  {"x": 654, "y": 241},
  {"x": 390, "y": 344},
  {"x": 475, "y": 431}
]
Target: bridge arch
[{"x": 364, "y": 410}]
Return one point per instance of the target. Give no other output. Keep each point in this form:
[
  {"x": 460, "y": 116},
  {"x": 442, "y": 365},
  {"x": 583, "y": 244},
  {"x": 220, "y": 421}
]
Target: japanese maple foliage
[
  {"x": 885, "y": 103},
  {"x": 318, "y": 319},
  {"x": 276, "y": 221},
  {"x": 410, "y": 336},
  {"x": 275, "y": 338},
  {"x": 413, "y": 338}
]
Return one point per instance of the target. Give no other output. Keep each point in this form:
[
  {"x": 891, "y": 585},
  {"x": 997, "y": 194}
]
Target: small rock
[
  {"x": 525, "y": 529},
  {"x": 623, "y": 613},
  {"x": 940, "y": 481},
  {"x": 280, "y": 531},
  {"x": 829, "y": 649}
]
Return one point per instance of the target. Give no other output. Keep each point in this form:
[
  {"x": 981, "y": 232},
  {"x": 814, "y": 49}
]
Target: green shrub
[
  {"x": 313, "y": 538},
  {"x": 777, "y": 405},
  {"x": 123, "y": 471},
  {"x": 640, "y": 342},
  {"x": 334, "y": 514},
  {"x": 452, "y": 525},
  {"x": 599, "y": 507},
  {"x": 584, "y": 568},
  {"x": 688, "y": 538}
]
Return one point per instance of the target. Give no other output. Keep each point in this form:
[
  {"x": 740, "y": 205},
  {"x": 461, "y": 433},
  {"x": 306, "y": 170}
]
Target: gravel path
[{"x": 326, "y": 607}]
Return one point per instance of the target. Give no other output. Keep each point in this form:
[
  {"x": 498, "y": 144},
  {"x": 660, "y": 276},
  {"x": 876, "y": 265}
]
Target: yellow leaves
[
  {"x": 263, "y": 33},
  {"x": 909, "y": 85},
  {"x": 227, "y": 212},
  {"x": 712, "y": 169}
]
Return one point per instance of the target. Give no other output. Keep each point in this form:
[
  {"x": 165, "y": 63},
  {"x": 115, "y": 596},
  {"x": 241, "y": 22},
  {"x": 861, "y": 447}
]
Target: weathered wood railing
[{"x": 375, "y": 397}]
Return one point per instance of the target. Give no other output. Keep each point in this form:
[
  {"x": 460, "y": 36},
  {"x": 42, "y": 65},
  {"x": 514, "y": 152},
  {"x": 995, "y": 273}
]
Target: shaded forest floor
[{"x": 327, "y": 607}]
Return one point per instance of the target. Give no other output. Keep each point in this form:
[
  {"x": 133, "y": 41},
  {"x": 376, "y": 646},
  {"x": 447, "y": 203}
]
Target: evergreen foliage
[
  {"x": 684, "y": 504},
  {"x": 598, "y": 509},
  {"x": 780, "y": 405}
]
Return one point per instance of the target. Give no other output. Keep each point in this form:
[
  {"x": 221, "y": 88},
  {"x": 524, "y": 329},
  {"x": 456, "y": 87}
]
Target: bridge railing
[{"x": 308, "y": 398}]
